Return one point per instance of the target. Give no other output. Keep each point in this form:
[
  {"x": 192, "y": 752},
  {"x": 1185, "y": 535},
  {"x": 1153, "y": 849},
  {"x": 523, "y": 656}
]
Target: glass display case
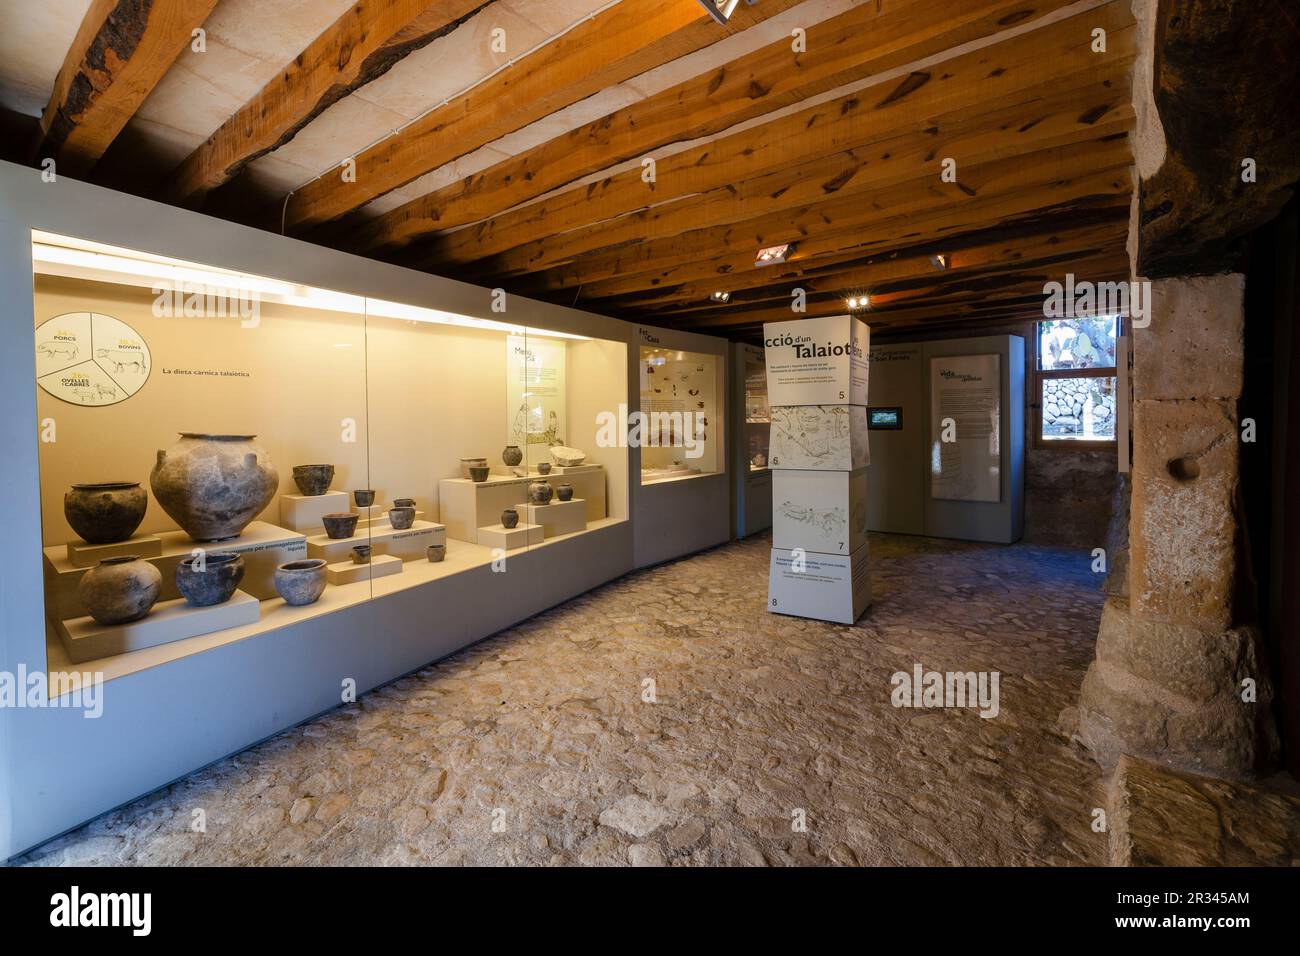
[
  {"x": 758, "y": 415},
  {"x": 222, "y": 454},
  {"x": 680, "y": 426}
]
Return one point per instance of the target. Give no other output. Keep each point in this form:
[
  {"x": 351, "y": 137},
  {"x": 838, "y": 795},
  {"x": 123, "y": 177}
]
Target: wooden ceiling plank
[
  {"x": 358, "y": 47},
  {"x": 616, "y": 44},
  {"x": 120, "y": 52},
  {"x": 859, "y": 43}
]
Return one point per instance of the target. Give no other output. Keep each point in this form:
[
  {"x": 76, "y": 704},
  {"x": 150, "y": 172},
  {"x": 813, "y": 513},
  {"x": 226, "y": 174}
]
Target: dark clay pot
[
  {"x": 364, "y": 497},
  {"x": 340, "y": 525},
  {"x": 401, "y": 518},
  {"x": 509, "y": 518},
  {"x": 313, "y": 480},
  {"x": 301, "y": 582},
  {"x": 105, "y": 513},
  {"x": 436, "y": 552},
  {"x": 403, "y": 502},
  {"x": 564, "y": 491},
  {"x": 361, "y": 554},
  {"x": 478, "y": 472},
  {"x": 512, "y": 456},
  {"x": 540, "y": 492},
  {"x": 543, "y": 467},
  {"x": 120, "y": 590},
  {"x": 221, "y": 574}
]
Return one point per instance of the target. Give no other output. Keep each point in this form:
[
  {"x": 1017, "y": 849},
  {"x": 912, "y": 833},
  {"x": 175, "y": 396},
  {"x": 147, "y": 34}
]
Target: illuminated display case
[
  {"x": 752, "y": 477},
  {"x": 225, "y": 454},
  {"x": 681, "y": 424}
]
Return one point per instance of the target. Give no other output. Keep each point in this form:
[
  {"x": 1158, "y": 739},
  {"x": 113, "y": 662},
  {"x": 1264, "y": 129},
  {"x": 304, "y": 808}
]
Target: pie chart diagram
[{"x": 89, "y": 359}]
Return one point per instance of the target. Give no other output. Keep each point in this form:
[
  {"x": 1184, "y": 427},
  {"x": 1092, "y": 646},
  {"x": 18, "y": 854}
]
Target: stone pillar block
[
  {"x": 1183, "y": 531},
  {"x": 1173, "y": 693},
  {"x": 1193, "y": 347}
]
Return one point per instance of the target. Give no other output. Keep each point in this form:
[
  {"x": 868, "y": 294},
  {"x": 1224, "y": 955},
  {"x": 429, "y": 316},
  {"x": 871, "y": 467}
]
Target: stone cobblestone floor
[{"x": 534, "y": 747}]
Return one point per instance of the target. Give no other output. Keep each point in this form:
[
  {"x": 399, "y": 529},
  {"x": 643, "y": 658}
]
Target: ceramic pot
[
  {"x": 512, "y": 456},
  {"x": 364, "y": 497},
  {"x": 401, "y": 518},
  {"x": 214, "y": 485},
  {"x": 564, "y": 491},
  {"x": 361, "y": 554},
  {"x": 543, "y": 467},
  {"x": 313, "y": 480},
  {"x": 340, "y": 525},
  {"x": 509, "y": 518},
  {"x": 120, "y": 590},
  {"x": 436, "y": 552},
  {"x": 403, "y": 502},
  {"x": 467, "y": 463},
  {"x": 301, "y": 582},
  {"x": 107, "y": 512},
  {"x": 567, "y": 456},
  {"x": 216, "y": 583},
  {"x": 540, "y": 493},
  {"x": 478, "y": 472}
]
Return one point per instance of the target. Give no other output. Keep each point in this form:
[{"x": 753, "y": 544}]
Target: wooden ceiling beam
[
  {"x": 859, "y": 43},
  {"x": 844, "y": 144},
  {"x": 616, "y": 44},
  {"x": 120, "y": 52},
  {"x": 358, "y": 47}
]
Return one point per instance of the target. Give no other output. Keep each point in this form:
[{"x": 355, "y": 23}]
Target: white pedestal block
[
  {"x": 407, "y": 545},
  {"x": 520, "y": 536},
  {"x": 304, "y": 512},
  {"x": 376, "y": 517},
  {"x": 825, "y": 587},
  {"x": 583, "y": 469},
  {"x": 465, "y": 506},
  {"x": 86, "y": 640},
  {"x": 349, "y": 572},
  {"x": 819, "y": 437},
  {"x": 83, "y": 555},
  {"x": 822, "y": 511},
  {"x": 263, "y": 546},
  {"x": 559, "y": 517},
  {"x": 821, "y": 361}
]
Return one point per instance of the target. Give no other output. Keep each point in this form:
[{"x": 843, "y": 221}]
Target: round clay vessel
[
  {"x": 512, "y": 456},
  {"x": 436, "y": 552},
  {"x": 403, "y": 502},
  {"x": 301, "y": 582},
  {"x": 467, "y": 463},
  {"x": 364, "y": 497},
  {"x": 564, "y": 491},
  {"x": 543, "y": 467},
  {"x": 540, "y": 492},
  {"x": 478, "y": 472},
  {"x": 214, "y": 485},
  {"x": 313, "y": 480},
  {"x": 340, "y": 525},
  {"x": 107, "y": 512},
  {"x": 120, "y": 590},
  {"x": 361, "y": 554},
  {"x": 509, "y": 518},
  {"x": 221, "y": 574},
  {"x": 401, "y": 518}
]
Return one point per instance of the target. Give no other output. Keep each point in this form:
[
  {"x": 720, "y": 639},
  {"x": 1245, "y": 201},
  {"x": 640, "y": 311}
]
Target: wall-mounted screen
[{"x": 885, "y": 418}]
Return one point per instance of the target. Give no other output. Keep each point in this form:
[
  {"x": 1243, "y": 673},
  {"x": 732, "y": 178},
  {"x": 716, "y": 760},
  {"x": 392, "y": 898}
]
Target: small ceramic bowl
[
  {"x": 436, "y": 552},
  {"x": 467, "y": 463},
  {"x": 401, "y": 518},
  {"x": 215, "y": 584},
  {"x": 543, "y": 467},
  {"x": 361, "y": 554},
  {"x": 403, "y": 502},
  {"x": 301, "y": 582},
  {"x": 313, "y": 480},
  {"x": 340, "y": 525},
  {"x": 478, "y": 472},
  {"x": 364, "y": 497}
]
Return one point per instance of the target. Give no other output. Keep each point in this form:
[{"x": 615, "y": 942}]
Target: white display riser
[
  {"x": 349, "y": 572},
  {"x": 824, "y": 587},
  {"x": 509, "y": 539},
  {"x": 263, "y": 545},
  {"x": 83, "y": 555},
  {"x": 465, "y": 505},
  {"x": 558, "y": 517},
  {"x": 823, "y": 511},
  {"x": 819, "y": 437},
  {"x": 407, "y": 544},
  {"x": 304, "y": 512},
  {"x": 819, "y": 378},
  {"x": 85, "y": 639}
]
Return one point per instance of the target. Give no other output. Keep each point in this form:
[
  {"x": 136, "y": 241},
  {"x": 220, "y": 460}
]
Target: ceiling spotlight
[
  {"x": 774, "y": 254},
  {"x": 858, "y": 302},
  {"x": 721, "y": 10},
  {"x": 720, "y": 296},
  {"x": 939, "y": 260}
]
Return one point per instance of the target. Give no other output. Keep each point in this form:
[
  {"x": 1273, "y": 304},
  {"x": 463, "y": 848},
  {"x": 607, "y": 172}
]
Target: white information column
[{"x": 817, "y": 389}]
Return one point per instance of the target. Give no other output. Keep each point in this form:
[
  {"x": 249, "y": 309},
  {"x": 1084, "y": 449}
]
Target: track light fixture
[
  {"x": 721, "y": 296},
  {"x": 939, "y": 260},
  {"x": 771, "y": 255},
  {"x": 721, "y": 10},
  {"x": 858, "y": 302}
]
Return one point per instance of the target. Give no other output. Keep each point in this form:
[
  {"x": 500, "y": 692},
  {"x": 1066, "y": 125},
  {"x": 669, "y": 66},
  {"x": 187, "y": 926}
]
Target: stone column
[{"x": 1176, "y": 659}]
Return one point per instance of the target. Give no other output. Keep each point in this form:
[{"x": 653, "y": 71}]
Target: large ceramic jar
[
  {"x": 540, "y": 492},
  {"x": 214, "y": 485},
  {"x": 107, "y": 512},
  {"x": 120, "y": 590}
]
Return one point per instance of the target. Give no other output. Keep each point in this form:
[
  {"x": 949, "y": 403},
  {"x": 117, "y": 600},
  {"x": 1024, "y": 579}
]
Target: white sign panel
[
  {"x": 965, "y": 428},
  {"x": 820, "y": 361},
  {"x": 535, "y": 389},
  {"x": 85, "y": 358}
]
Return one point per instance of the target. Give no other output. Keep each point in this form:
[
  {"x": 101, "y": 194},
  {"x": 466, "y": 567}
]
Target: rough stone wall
[{"x": 1068, "y": 496}]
